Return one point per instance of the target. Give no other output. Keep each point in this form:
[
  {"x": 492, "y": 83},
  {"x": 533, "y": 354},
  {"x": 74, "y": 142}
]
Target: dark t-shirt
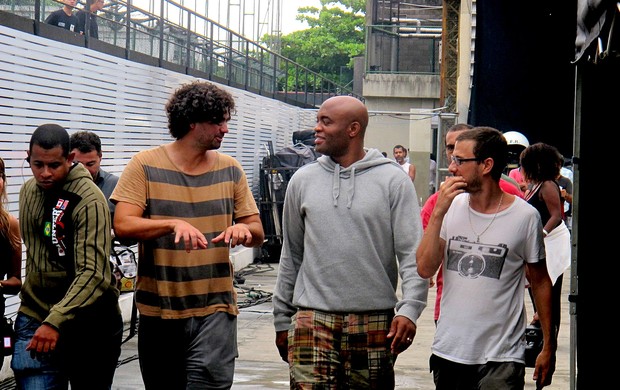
[
  {"x": 94, "y": 28},
  {"x": 60, "y": 19}
]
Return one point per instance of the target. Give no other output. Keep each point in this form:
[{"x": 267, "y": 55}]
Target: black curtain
[
  {"x": 523, "y": 76},
  {"x": 524, "y": 80},
  {"x": 597, "y": 258}
]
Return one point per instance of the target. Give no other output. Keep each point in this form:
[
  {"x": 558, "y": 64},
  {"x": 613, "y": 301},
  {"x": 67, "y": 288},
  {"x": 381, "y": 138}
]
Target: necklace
[{"x": 490, "y": 223}]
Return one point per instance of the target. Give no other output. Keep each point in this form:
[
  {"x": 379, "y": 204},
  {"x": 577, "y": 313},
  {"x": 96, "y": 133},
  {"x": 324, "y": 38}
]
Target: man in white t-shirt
[
  {"x": 484, "y": 239},
  {"x": 400, "y": 155}
]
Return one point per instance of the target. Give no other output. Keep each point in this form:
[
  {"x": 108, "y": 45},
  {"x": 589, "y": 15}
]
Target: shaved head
[
  {"x": 348, "y": 107},
  {"x": 340, "y": 126}
]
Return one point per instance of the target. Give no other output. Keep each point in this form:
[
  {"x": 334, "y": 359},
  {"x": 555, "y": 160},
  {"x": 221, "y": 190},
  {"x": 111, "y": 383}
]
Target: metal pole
[
  {"x": 162, "y": 21},
  {"x": 128, "y": 29},
  {"x": 574, "y": 281},
  {"x": 190, "y": 34},
  {"x": 37, "y": 10},
  {"x": 87, "y": 22}
]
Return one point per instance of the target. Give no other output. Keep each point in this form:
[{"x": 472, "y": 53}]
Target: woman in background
[
  {"x": 10, "y": 248},
  {"x": 539, "y": 166}
]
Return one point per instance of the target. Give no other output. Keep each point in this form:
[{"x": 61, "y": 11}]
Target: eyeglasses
[{"x": 458, "y": 161}]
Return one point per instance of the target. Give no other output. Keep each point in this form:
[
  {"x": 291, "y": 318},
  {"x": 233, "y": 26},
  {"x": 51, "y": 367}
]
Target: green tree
[{"x": 334, "y": 37}]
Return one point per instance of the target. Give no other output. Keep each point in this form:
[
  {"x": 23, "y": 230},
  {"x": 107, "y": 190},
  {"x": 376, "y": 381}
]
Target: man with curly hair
[{"x": 187, "y": 204}]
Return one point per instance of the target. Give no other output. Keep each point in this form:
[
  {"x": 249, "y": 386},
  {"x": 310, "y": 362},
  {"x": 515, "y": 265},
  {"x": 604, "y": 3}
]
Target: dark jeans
[
  {"x": 190, "y": 353},
  {"x": 86, "y": 355},
  {"x": 449, "y": 375}
]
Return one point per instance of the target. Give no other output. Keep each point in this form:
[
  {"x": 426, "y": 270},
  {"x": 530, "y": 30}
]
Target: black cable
[
  {"x": 255, "y": 268},
  {"x": 252, "y": 296}
]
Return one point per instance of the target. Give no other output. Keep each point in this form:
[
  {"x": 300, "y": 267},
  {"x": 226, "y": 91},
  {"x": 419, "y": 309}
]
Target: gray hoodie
[{"x": 348, "y": 234}]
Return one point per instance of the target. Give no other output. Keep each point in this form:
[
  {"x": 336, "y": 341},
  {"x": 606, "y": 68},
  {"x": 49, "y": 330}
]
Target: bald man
[{"x": 351, "y": 227}]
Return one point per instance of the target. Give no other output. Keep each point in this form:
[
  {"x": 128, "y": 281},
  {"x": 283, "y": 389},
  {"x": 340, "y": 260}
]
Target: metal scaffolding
[{"x": 250, "y": 18}]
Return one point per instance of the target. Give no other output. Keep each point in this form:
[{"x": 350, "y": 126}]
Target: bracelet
[{"x": 546, "y": 233}]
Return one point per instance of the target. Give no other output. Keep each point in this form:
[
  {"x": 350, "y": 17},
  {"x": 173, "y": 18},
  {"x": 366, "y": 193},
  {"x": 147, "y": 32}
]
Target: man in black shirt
[
  {"x": 64, "y": 17},
  {"x": 95, "y": 6}
]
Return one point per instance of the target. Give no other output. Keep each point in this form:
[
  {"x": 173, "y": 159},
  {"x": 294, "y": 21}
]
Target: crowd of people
[
  {"x": 484, "y": 239},
  {"x": 186, "y": 204},
  {"x": 339, "y": 319}
]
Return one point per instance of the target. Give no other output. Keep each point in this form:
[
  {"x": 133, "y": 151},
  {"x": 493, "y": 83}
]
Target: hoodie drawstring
[
  {"x": 336, "y": 184},
  {"x": 372, "y": 159},
  {"x": 351, "y": 189}
]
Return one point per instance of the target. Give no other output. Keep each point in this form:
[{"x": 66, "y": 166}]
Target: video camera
[{"x": 534, "y": 344}]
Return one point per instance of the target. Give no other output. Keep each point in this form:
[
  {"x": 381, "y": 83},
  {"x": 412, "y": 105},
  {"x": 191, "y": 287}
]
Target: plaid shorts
[{"x": 340, "y": 350}]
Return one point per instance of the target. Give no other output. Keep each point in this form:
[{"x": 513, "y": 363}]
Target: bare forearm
[
  {"x": 430, "y": 251},
  {"x": 542, "y": 291},
  {"x": 257, "y": 234},
  {"x": 142, "y": 229},
  {"x": 255, "y": 226},
  {"x": 553, "y": 222}
]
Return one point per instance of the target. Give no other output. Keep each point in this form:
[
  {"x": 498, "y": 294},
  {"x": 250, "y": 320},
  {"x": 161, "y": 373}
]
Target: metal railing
[
  {"x": 400, "y": 47},
  {"x": 179, "y": 37}
]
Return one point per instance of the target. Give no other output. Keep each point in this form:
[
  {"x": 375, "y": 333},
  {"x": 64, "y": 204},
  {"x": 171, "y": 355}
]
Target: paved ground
[{"x": 259, "y": 366}]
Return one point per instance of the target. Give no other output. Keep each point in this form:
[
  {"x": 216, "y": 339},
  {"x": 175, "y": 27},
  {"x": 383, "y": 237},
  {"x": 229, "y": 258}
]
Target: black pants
[{"x": 449, "y": 375}]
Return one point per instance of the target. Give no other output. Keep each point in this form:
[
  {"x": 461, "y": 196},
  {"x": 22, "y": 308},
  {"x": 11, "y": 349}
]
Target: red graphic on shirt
[{"x": 58, "y": 226}]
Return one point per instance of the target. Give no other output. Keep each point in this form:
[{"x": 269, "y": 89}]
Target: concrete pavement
[{"x": 259, "y": 366}]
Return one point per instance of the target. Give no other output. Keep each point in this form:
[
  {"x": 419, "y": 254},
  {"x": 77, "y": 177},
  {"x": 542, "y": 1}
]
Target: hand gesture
[
  {"x": 237, "y": 234},
  {"x": 191, "y": 237},
  {"x": 452, "y": 186}
]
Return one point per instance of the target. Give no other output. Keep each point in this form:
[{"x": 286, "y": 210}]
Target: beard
[{"x": 474, "y": 185}]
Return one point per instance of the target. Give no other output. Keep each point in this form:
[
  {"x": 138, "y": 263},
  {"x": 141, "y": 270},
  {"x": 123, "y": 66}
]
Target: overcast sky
[{"x": 289, "y": 12}]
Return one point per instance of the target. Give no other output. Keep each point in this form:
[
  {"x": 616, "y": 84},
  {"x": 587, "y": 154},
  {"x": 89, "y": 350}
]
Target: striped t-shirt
[{"x": 172, "y": 283}]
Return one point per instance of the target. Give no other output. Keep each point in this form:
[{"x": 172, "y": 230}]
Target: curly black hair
[
  {"x": 541, "y": 162},
  {"x": 197, "y": 102}
]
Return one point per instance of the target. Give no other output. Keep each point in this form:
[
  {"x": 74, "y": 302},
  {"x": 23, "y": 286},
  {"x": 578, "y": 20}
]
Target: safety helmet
[{"x": 516, "y": 138}]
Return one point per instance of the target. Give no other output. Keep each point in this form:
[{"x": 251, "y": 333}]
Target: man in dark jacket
[{"x": 69, "y": 325}]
